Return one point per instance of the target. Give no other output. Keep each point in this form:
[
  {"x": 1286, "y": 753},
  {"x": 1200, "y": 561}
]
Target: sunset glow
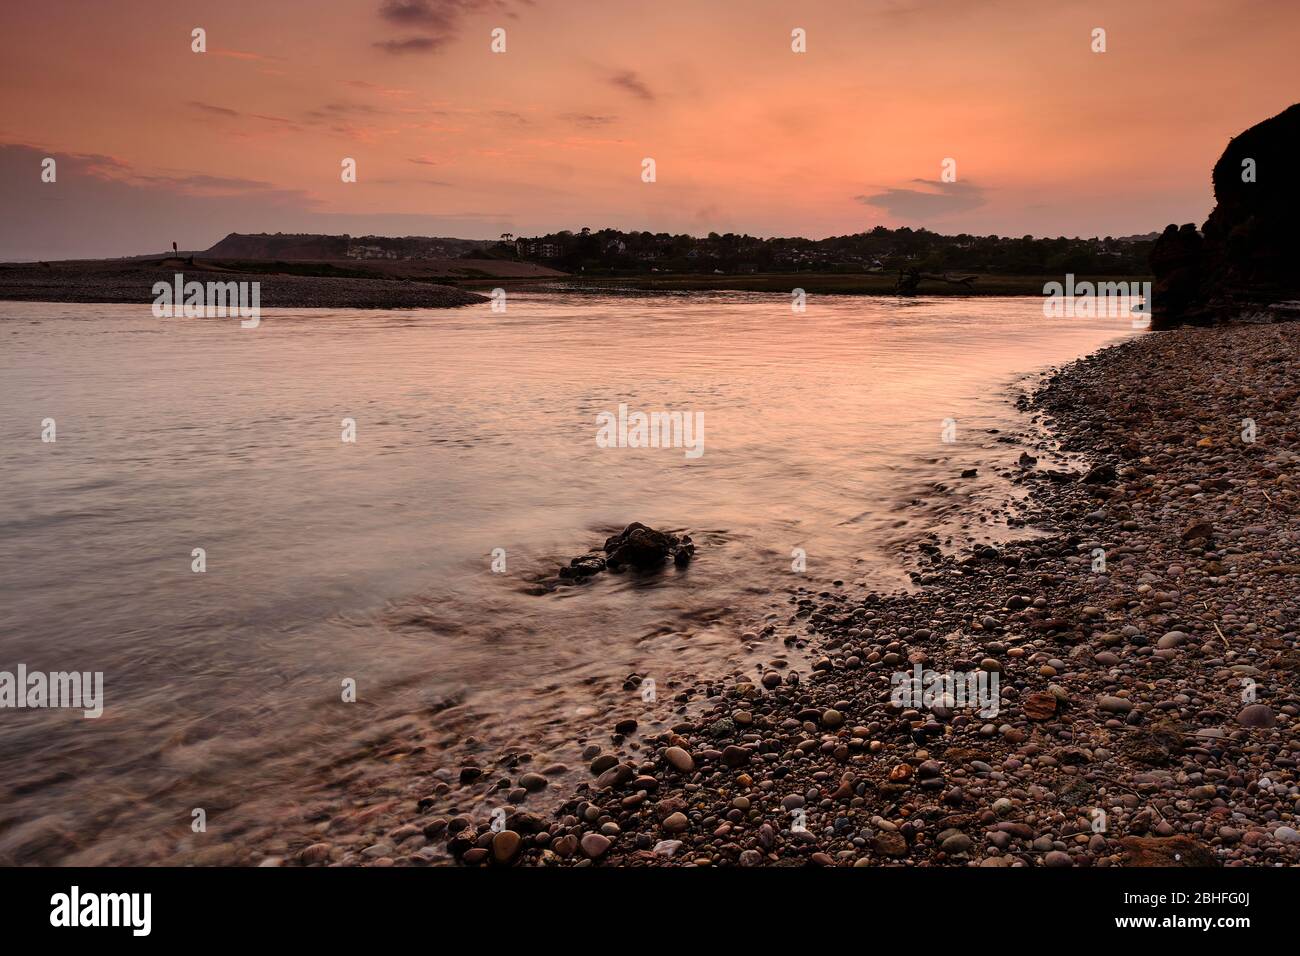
[{"x": 156, "y": 142}]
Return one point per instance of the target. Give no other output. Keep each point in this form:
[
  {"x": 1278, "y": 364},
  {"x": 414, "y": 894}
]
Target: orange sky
[{"x": 155, "y": 142}]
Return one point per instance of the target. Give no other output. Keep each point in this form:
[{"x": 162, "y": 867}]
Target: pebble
[
  {"x": 595, "y": 845},
  {"x": 506, "y": 846},
  {"x": 316, "y": 853},
  {"x": 676, "y": 822},
  {"x": 533, "y": 782},
  {"x": 1257, "y": 715},
  {"x": 680, "y": 760},
  {"x": 1120, "y": 690}
]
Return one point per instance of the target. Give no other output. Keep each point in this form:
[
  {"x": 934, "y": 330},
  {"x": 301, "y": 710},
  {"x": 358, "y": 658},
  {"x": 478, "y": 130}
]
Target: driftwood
[{"x": 910, "y": 279}]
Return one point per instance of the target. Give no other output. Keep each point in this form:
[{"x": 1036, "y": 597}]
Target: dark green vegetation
[
  {"x": 812, "y": 283},
  {"x": 611, "y": 252}
]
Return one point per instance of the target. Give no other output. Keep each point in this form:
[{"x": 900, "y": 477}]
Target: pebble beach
[{"x": 1142, "y": 631}]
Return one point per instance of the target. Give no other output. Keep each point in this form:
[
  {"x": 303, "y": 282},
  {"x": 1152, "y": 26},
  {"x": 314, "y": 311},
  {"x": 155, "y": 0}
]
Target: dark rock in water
[
  {"x": 583, "y": 567},
  {"x": 1244, "y": 256},
  {"x": 643, "y": 548},
  {"x": 636, "y": 546}
]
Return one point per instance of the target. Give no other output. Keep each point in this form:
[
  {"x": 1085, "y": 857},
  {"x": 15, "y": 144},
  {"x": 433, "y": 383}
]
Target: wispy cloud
[
  {"x": 210, "y": 108},
  {"x": 629, "y": 82},
  {"x": 381, "y": 90},
  {"x": 935, "y": 200},
  {"x": 243, "y": 55},
  {"x": 226, "y": 112},
  {"x": 202, "y": 184},
  {"x": 333, "y": 111},
  {"x": 94, "y": 165},
  {"x": 439, "y": 14},
  {"x": 588, "y": 120},
  {"x": 102, "y": 206},
  {"x": 182, "y": 182},
  {"x": 412, "y": 45},
  {"x": 400, "y": 181},
  {"x": 439, "y": 21}
]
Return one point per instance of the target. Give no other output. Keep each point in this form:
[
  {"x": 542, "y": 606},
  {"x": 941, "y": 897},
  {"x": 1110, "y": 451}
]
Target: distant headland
[{"x": 341, "y": 271}]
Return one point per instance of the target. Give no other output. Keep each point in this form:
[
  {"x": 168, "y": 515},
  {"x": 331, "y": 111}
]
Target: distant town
[
  {"x": 614, "y": 252},
  {"x": 880, "y": 250}
]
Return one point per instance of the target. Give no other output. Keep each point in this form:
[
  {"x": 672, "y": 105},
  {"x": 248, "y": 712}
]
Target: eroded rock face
[
  {"x": 1245, "y": 256},
  {"x": 1177, "y": 263}
]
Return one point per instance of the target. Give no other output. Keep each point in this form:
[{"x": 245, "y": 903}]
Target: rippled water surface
[{"x": 371, "y": 560}]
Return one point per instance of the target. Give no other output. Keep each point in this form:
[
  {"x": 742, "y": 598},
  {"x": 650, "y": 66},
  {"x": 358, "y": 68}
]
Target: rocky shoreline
[{"x": 1145, "y": 647}]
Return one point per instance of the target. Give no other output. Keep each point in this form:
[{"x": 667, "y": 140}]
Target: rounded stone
[
  {"x": 532, "y": 782},
  {"x": 1257, "y": 715},
  {"x": 676, "y": 822},
  {"x": 679, "y": 759},
  {"x": 506, "y": 846},
  {"x": 316, "y": 853}
]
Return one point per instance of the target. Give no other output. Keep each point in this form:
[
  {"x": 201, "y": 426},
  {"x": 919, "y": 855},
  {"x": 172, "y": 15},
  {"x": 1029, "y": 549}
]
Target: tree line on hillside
[{"x": 612, "y": 251}]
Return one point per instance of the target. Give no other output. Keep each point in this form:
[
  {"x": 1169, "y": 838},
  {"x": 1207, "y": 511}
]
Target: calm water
[{"x": 371, "y": 560}]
